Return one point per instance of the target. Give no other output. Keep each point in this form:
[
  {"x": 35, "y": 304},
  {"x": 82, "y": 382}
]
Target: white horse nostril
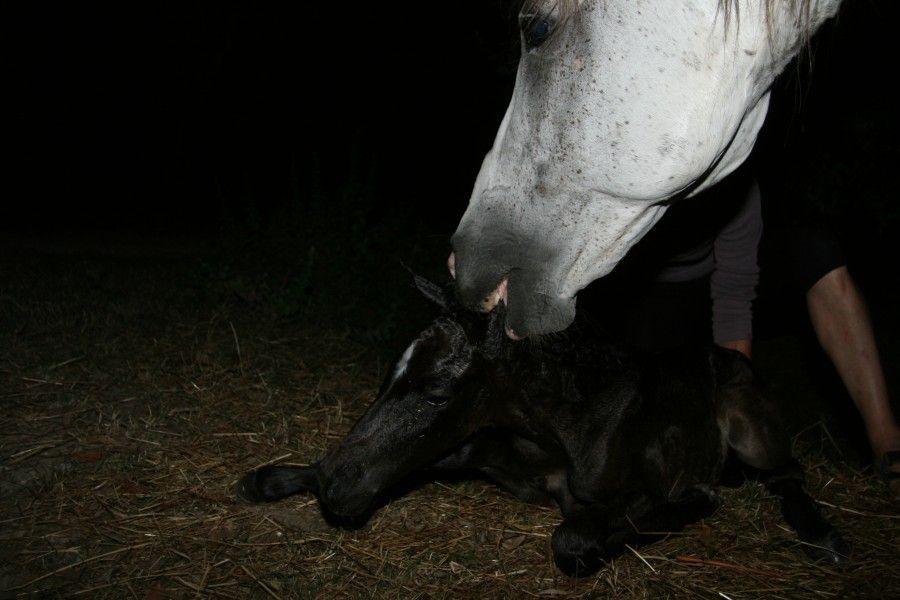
[
  {"x": 451, "y": 264},
  {"x": 490, "y": 301},
  {"x": 494, "y": 298}
]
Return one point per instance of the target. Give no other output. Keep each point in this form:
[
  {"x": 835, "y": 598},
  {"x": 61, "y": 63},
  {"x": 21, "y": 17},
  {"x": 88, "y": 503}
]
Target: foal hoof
[
  {"x": 830, "y": 548},
  {"x": 576, "y": 554},
  {"x": 578, "y": 565},
  {"x": 248, "y": 489},
  {"x": 266, "y": 484}
]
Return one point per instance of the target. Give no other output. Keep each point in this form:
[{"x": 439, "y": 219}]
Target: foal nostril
[
  {"x": 346, "y": 499},
  {"x": 332, "y": 494}
]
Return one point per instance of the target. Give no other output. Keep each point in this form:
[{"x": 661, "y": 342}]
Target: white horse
[{"x": 620, "y": 107}]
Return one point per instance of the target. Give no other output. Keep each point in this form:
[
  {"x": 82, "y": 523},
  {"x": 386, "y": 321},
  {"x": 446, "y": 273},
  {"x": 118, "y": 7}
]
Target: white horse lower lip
[{"x": 500, "y": 294}]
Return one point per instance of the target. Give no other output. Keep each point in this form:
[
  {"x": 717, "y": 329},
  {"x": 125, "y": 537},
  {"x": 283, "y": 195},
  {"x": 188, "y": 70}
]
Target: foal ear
[{"x": 433, "y": 292}]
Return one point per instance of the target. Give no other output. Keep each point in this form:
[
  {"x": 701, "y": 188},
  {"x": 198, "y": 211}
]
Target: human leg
[{"x": 841, "y": 321}]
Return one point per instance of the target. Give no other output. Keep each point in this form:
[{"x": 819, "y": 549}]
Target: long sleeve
[{"x": 736, "y": 272}]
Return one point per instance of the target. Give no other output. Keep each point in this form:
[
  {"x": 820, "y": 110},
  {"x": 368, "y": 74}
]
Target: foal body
[{"x": 624, "y": 444}]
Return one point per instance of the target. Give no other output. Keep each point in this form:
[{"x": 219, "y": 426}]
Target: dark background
[
  {"x": 145, "y": 113},
  {"x": 191, "y": 114}
]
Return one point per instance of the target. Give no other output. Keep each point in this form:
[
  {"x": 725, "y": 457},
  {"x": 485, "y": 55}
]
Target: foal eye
[
  {"x": 437, "y": 399},
  {"x": 535, "y": 29}
]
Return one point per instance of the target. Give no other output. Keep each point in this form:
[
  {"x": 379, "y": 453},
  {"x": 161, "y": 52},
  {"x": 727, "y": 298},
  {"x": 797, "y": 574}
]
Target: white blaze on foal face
[
  {"x": 626, "y": 105},
  {"x": 403, "y": 363}
]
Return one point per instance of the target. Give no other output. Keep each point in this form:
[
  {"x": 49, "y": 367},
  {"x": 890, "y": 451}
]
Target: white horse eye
[{"x": 535, "y": 29}]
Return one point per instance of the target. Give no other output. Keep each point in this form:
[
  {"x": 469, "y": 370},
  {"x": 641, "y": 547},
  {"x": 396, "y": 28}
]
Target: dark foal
[{"x": 622, "y": 444}]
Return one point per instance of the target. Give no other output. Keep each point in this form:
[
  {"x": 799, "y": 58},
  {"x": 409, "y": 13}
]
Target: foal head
[{"x": 433, "y": 399}]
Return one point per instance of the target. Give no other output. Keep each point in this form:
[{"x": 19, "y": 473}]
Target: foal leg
[
  {"x": 577, "y": 543},
  {"x": 585, "y": 540},
  {"x": 268, "y": 484},
  {"x": 655, "y": 524},
  {"x": 756, "y": 435},
  {"x": 822, "y": 540},
  {"x": 765, "y": 447}
]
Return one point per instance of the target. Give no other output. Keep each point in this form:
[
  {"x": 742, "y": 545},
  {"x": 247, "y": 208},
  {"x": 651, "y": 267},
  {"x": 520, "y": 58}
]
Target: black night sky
[
  {"x": 154, "y": 114},
  {"x": 137, "y": 114}
]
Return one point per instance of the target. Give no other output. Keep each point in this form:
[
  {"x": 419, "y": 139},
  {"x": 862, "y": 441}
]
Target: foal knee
[
  {"x": 758, "y": 441},
  {"x": 749, "y": 421}
]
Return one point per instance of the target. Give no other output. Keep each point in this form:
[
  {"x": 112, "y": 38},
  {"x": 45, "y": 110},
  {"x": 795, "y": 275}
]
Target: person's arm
[
  {"x": 745, "y": 347},
  {"x": 736, "y": 273}
]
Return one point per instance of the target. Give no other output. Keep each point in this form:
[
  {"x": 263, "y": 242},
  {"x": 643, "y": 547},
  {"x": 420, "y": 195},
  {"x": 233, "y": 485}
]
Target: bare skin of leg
[{"x": 841, "y": 322}]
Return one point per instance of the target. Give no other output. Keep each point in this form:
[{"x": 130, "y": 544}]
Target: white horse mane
[{"x": 566, "y": 9}]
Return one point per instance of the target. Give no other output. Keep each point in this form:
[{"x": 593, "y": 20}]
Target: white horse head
[{"x": 619, "y": 108}]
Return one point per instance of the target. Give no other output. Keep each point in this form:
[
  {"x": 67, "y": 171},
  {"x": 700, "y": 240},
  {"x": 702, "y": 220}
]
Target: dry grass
[{"x": 132, "y": 403}]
